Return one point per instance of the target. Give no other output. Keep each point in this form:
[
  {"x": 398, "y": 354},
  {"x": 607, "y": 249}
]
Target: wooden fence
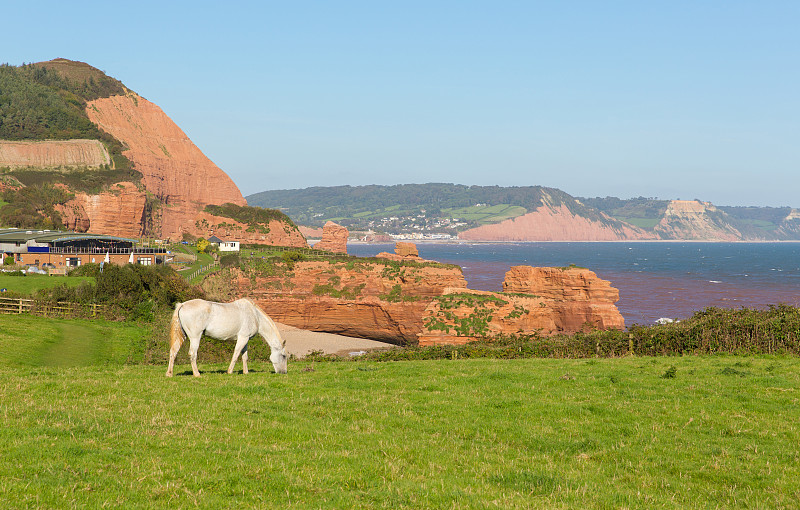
[
  {"x": 202, "y": 269},
  {"x": 22, "y": 305}
]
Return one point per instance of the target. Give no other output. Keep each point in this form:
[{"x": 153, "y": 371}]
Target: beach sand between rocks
[{"x": 302, "y": 341}]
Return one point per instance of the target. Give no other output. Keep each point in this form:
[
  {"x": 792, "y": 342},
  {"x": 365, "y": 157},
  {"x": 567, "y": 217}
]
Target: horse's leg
[
  {"x": 173, "y": 353},
  {"x": 194, "y": 344},
  {"x": 244, "y": 360},
  {"x": 241, "y": 343}
]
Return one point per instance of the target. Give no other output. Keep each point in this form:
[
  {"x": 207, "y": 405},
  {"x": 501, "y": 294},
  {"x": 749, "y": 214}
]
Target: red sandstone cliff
[
  {"x": 409, "y": 303},
  {"x": 277, "y": 233},
  {"x": 548, "y": 223},
  {"x": 118, "y": 212},
  {"x": 355, "y": 298},
  {"x": 174, "y": 169},
  {"x": 543, "y": 300}
]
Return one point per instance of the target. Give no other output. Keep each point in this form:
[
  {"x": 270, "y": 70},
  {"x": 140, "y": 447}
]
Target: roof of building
[
  {"x": 215, "y": 239},
  {"x": 18, "y": 235}
]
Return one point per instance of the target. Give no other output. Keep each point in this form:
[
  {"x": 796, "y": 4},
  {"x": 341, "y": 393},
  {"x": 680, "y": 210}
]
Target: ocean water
[{"x": 663, "y": 279}]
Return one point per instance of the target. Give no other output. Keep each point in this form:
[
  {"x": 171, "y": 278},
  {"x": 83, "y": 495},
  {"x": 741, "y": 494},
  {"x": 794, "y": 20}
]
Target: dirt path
[
  {"x": 75, "y": 345},
  {"x": 301, "y": 342}
]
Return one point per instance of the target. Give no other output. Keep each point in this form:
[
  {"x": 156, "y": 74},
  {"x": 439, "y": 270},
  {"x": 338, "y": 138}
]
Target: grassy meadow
[
  {"x": 32, "y": 283},
  {"x": 632, "y": 432}
]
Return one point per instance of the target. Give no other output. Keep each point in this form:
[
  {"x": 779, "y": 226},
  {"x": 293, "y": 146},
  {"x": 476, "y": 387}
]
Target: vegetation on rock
[{"x": 257, "y": 218}]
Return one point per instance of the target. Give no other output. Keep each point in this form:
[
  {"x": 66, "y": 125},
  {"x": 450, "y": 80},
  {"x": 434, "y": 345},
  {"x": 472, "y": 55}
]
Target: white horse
[{"x": 239, "y": 320}]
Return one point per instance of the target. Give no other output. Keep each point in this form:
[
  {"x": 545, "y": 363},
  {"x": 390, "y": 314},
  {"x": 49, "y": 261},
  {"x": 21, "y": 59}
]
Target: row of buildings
[{"x": 57, "y": 250}]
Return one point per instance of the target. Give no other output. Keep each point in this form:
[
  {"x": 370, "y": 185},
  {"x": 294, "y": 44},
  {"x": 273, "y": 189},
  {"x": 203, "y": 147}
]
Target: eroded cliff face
[
  {"x": 277, "y": 233},
  {"x": 695, "y": 220},
  {"x": 355, "y": 298},
  {"x": 121, "y": 211},
  {"x": 543, "y": 300},
  {"x": 549, "y": 223},
  {"x": 53, "y": 153},
  {"x": 174, "y": 169},
  {"x": 420, "y": 302}
]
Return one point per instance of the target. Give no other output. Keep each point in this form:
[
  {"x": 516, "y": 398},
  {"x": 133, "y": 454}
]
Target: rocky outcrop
[
  {"x": 356, "y": 298},
  {"x": 334, "y": 238},
  {"x": 53, "y": 153},
  {"x": 421, "y": 302},
  {"x": 548, "y": 223},
  {"x": 276, "y": 233},
  {"x": 310, "y": 232},
  {"x": 173, "y": 168},
  {"x": 696, "y": 220},
  {"x": 119, "y": 211},
  {"x": 536, "y": 300},
  {"x": 402, "y": 251}
]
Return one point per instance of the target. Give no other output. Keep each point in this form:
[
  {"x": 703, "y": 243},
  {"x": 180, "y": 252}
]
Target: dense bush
[
  {"x": 33, "y": 207},
  {"x": 137, "y": 292},
  {"x": 711, "y": 331}
]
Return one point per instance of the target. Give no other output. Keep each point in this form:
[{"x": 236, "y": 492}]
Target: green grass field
[
  {"x": 30, "y": 284},
  {"x": 634, "y": 432},
  {"x": 486, "y": 214}
]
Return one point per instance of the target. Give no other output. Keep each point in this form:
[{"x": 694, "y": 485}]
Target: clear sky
[{"x": 669, "y": 99}]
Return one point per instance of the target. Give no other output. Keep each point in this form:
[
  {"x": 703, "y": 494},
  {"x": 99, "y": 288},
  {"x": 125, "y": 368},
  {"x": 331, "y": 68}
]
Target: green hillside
[{"x": 433, "y": 207}]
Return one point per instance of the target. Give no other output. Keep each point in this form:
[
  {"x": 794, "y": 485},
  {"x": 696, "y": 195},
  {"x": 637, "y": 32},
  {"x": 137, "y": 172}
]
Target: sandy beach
[{"x": 301, "y": 342}]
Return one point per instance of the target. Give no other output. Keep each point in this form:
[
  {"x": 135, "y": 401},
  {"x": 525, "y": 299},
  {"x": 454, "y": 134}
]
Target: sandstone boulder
[{"x": 402, "y": 251}]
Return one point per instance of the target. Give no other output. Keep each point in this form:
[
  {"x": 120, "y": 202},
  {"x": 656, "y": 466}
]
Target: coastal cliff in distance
[{"x": 531, "y": 213}]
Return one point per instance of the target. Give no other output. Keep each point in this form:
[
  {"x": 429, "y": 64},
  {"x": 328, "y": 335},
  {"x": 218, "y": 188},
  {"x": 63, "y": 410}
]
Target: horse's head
[{"x": 279, "y": 360}]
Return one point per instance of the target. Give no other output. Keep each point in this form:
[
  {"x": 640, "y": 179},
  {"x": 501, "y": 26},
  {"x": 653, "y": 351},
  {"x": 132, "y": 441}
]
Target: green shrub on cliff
[{"x": 256, "y": 218}]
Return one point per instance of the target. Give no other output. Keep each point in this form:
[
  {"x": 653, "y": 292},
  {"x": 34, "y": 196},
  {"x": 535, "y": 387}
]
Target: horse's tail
[{"x": 176, "y": 335}]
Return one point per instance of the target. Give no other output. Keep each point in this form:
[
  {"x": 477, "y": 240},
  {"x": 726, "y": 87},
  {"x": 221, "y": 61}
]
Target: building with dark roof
[{"x": 57, "y": 249}]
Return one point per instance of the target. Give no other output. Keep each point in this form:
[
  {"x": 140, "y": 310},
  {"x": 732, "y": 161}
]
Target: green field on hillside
[
  {"x": 31, "y": 283},
  {"x": 485, "y": 215},
  {"x": 82, "y": 427}
]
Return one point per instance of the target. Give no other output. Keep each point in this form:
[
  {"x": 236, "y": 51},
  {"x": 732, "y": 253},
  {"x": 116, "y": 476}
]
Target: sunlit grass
[{"x": 605, "y": 433}]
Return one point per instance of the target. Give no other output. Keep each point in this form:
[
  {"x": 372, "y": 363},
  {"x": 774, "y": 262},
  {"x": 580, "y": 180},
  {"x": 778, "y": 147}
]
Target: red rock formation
[
  {"x": 312, "y": 232},
  {"x": 118, "y": 212},
  {"x": 406, "y": 249},
  {"x": 53, "y": 153},
  {"x": 402, "y": 251},
  {"x": 356, "y": 298},
  {"x": 174, "y": 169},
  {"x": 427, "y": 303},
  {"x": 334, "y": 238},
  {"x": 552, "y": 224},
  {"x": 542, "y": 300},
  {"x": 277, "y": 232}
]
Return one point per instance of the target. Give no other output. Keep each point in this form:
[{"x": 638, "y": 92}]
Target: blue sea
[{"x": 659, "y": 279}]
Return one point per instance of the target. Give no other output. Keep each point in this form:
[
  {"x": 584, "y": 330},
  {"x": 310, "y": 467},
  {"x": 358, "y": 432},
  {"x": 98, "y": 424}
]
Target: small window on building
[
  {"x": 73, "y": 261},
  {"x": 145, "y": 261}
]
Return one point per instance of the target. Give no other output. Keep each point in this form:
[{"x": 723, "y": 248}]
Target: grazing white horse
[{"x": 239, "y": 320}]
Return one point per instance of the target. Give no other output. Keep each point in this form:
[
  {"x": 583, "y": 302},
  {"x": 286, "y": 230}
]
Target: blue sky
[{"x": 669, "y": 99}]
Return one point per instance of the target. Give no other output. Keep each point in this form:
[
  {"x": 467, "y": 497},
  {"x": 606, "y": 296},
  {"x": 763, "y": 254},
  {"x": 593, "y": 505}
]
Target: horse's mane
[{"x": 265, "y": 321}]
